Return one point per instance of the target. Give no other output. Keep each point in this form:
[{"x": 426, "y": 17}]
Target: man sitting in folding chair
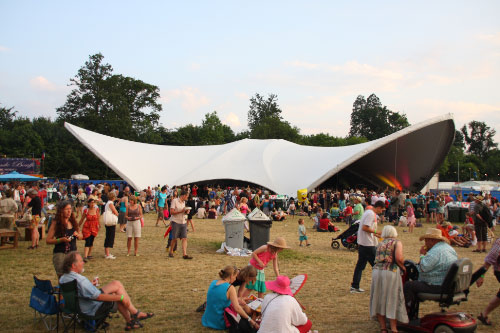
[{"x": 93, "y": 300}]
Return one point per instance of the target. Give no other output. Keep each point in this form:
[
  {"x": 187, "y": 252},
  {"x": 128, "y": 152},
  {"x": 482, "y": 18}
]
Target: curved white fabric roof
[{"x": 405, "y": 159}]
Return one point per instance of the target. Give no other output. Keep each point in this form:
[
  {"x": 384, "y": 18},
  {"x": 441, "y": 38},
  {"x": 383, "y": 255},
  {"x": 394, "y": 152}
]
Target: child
[
  {"x": 260, "y": 258},
  {"x": 410, "y": 212},
  {"x": 302, "y": 232},
  {"x": 291, "y": 209},
  {"x": 335, "y": 212},
  {"x": 348, "y": 215}
]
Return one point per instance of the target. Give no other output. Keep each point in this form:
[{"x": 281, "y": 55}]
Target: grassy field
[{"x": 173, "y": 288}]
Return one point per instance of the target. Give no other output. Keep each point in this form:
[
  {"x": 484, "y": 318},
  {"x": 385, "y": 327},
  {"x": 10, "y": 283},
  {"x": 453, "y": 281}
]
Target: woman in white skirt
[{"x": 386, "y": 298}]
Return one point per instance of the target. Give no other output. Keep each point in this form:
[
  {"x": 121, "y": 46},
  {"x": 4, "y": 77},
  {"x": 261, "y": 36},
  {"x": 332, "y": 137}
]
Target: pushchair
[{"x": 348, "y": 238}]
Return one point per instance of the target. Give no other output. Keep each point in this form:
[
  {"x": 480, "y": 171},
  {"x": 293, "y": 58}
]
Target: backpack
[{"x": 487, "y": 216}]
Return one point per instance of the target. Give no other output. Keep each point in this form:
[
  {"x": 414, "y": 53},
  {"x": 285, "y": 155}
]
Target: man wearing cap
[
  {"x": 367, "y": 242},
  {"x": 436, "y": 257},
  {"x": 480, "y": 225},
  {"x": 280, "y": 310},
  {"x": 358, "y": 208}
]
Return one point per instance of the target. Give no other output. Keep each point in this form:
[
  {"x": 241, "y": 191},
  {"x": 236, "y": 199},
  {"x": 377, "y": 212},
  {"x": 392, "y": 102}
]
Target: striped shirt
[
  {"x": 435, "y": 264},
  {"x": 493, "y": 257}
]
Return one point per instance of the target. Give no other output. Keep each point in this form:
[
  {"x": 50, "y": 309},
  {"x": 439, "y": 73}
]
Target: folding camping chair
[
  {"x": 71, "y": 311},
  {"x": 44, "y": 302}
]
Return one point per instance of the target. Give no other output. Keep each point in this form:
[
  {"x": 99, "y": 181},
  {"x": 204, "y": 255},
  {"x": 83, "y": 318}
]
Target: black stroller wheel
[
  {"x": 351, "y": 247},
  {"x": 335, "y": 245}
]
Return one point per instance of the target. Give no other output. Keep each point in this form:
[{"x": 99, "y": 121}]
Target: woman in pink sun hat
[{"x": 280, "y": 310}]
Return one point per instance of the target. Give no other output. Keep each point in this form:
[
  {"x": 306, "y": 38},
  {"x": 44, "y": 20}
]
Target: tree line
[{"x": 128, "y": 108}]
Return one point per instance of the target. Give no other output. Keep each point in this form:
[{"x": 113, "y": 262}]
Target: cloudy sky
[{"x": 424, "y": 58}]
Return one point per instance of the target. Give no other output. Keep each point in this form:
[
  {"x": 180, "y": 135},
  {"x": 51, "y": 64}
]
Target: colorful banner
[{"x": 22, "y": 165}]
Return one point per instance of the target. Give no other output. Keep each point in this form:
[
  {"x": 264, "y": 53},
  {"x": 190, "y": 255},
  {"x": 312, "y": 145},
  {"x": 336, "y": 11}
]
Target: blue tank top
[
  {"x": 123, "y": 208},
  {"x": 216, "y": 303}
]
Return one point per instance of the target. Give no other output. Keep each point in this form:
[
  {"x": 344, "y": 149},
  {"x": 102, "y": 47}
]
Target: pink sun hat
[{"x": 281, "y": 285}]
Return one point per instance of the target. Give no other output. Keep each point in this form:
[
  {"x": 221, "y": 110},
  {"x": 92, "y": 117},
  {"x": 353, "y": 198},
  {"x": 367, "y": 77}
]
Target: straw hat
[
  {"x": 281, "y": 285},
  {"x": 356, "y": 198},
  {"x": 479, "y": 197},
  {"x": 279, "y": 242},
  {"x": 434, "y": 233}
]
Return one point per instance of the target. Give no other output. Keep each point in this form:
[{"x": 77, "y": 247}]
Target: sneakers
[
  {"x": 357, "y": 290},
  {"x": 187, "y": 257},
  {"x": 110, "y": 256}
]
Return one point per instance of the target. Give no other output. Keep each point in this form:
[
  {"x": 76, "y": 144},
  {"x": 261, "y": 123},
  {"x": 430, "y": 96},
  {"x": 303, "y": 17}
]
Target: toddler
[{"x": 302, "y": 233}]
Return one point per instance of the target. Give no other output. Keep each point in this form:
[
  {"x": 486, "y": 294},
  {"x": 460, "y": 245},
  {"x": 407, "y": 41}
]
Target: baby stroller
[{"x": 348, "y": 238}]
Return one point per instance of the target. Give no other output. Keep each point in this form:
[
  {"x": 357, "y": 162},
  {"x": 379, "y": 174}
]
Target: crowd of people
[{"x": 79, "y": 210}]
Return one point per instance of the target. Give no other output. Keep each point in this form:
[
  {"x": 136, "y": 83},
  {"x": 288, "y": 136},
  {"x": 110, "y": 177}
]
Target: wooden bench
[{"x": 4, "y": 235}]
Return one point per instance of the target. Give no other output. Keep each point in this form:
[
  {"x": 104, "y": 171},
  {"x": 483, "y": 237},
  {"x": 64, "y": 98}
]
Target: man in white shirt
[
  {"x": 179, "y": 224},
  {"x": 374, "y": 198},
  {"x": 367, "y": 242}
]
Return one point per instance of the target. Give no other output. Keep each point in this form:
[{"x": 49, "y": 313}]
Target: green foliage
[
  {"x": 480, "y": 138},
  {"x": 371, "y": 120},
  {"x": 109, "y": 104},
  {"x": 261, "y": 109}
]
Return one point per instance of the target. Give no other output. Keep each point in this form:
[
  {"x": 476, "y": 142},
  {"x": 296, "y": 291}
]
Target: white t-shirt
[
  {"x": 281, "y": 313},
  {"x": 177, "y": 205},
  {"x": 374, "y": 199},
  {"x": 367, "y": 238},
  {"x": 201, "y": 213}
]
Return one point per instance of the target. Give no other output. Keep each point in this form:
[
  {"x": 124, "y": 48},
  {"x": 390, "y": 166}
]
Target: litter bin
[
  {"x": 260, "y": 228},
  {"x": 234, "y": 225},
  {"x": 454, "y": 214},
  {"x": 462, "y": 215}
]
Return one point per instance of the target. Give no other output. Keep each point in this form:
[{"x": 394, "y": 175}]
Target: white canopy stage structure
[{"x": 406, "y": 159}]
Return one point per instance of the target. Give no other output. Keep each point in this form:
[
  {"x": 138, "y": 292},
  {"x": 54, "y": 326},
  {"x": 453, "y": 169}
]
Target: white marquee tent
[{"x": 405, "y": 159}]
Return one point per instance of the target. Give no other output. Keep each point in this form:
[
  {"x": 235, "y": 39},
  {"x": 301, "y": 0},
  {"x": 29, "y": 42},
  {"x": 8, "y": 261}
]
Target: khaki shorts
[
  {"x": 58, "y": 260},
  {"x": 134, "y": 229}
]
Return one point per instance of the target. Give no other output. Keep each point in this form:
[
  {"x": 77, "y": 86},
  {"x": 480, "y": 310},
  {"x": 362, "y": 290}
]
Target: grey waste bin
[
  {"x": 234, "y": 225},
  {"x": 454, "y": 214},
  {"x": 463, "y": 214},
  {"x": 260, "y": 228}
]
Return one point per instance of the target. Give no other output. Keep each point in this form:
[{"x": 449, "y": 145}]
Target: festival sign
[{"x": 21, "y": 165}]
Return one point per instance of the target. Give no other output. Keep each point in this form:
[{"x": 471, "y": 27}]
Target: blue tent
[{"x": 14, "y": 175}]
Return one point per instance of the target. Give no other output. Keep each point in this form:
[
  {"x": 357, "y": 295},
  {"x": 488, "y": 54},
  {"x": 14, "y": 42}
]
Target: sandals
[
  {"x": 147, "y": 316},
  {"x": 484, "y": 319},
  {"x": 132, "y": 325}
]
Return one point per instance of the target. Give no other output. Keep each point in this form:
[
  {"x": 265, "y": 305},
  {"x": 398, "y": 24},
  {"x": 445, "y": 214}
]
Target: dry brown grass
[{"x": 173, "y": 288}]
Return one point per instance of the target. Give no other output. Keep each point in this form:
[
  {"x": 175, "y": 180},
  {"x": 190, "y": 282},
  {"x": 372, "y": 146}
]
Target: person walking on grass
[
  {"x": 91, "y": 226},
  {"x": 161, "y": 205},
  {"x": 179, "y": 224},
  {"x": 302, "y": 233},
  {"x": 367, "y": 242},
  {"x": 133, "y": 215}
]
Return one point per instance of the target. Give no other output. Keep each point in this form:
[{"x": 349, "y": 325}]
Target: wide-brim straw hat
[
  {"x": 434, "y": 233},
  {"x": 281, "y": 285},
  {"x": 356, "y": 198},
  {"x": 479, "y": 197},
  {"x": 279, "y": 242}
]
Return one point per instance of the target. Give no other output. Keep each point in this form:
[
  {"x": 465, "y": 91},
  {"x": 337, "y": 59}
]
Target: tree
[
  {"x": 480, "y": 139},
  {"x": 110, "y": 104},
  {"x": 214, "y": 132},
  {"x": 265, "y": 121},
  {"x": 261, "y": 109},
  {"x": 371, "y": 120},
  {"x": 7, "y": 116}
]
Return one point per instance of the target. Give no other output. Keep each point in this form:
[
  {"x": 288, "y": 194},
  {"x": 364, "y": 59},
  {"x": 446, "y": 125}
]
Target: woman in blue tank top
[{"x": 220, "y": 295}]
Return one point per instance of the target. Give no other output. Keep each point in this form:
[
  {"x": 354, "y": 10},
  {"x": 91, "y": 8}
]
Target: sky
[{"x": 421, "y": 58}]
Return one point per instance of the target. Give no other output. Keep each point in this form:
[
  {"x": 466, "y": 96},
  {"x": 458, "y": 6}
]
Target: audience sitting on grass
[
  {"x": 222, "y": 294},
  {"x": 325, "y": 225},
  {"x": 278, "y": 215},
  {"x": 111, "y": 296}
]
